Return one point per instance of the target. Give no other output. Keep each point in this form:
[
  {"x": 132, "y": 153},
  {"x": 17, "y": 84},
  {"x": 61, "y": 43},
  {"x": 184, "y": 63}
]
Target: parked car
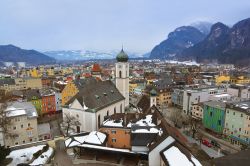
[
  {"x": 215, "y": 143},
  {"x": 206, "y": 142}
]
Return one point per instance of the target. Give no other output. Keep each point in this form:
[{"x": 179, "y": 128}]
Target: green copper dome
[
  {"x": 122, "y": 57},
  {"x": 153, "y": 92}
]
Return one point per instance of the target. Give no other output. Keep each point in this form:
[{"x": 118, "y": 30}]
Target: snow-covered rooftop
[
  {"x": 150, "y": 130},
  {"x": 176, "y": 158},
  {"x": 43, "y": 158},
  {"x": 93, "y": 137},
  {"x": 113, "y": 123},
  {"x": 21, "y": 108},
  {"x": 144, "y": 122},
  {"x": 23, "y": 155},
  {"x": 17, "y": 112}
]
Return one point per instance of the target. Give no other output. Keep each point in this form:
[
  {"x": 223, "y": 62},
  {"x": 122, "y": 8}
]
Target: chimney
[
  {"x": 125, "y": 120},
  {"x": 136, "y": 115}
]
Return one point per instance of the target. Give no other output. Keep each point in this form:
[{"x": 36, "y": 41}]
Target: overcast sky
[{"x": 107, "y": 24}]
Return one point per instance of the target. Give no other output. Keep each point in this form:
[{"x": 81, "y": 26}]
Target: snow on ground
[
  {"x": 43, "y": 158},
  {"x": 176, "y": 158},
  {"x": 23, "y": 155}
]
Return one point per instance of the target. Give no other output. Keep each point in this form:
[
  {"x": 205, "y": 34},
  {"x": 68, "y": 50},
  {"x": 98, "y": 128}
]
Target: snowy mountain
[
  {"x": 87, "y": 54},
  {"x": 202, "y": 26}
]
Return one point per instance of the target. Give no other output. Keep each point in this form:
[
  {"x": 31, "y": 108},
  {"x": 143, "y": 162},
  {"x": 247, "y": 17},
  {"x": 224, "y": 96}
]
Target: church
[{"x": 96, "y": 101}]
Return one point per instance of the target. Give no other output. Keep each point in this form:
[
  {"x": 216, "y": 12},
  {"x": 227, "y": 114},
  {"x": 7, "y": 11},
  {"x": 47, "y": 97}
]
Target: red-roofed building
[{"x": 96, "y": 70}]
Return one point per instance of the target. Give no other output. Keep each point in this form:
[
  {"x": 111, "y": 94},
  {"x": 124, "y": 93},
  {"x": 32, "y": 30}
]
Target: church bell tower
[{"x": 122, "y": 75}]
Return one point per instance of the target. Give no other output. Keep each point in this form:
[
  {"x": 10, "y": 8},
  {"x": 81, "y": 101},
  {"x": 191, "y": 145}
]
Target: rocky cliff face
[
  {"x": 224, "y": 44},
  {"x": 178, "y": 40}
]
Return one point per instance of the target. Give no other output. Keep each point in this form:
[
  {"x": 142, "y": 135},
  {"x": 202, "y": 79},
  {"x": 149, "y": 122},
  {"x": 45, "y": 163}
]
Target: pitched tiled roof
[
  {"x": 31, "y": 93},
  {"x": 96, "y": 68},
  {"x": 80, "y": 83},
  {"x": 144, "y": 103},
  {"x": 241, "y": 158},
  {"x": 98, "y": 95},
  {"x": 8, "y": 81}
]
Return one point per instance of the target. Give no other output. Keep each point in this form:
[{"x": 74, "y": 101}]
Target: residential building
[
  {"x": 23, "y": 126},
  {"x": 214, "y": 116},
  {"x": 34, "y": 96},
  {"x": 48, "y": 101},
  {"x": 221, "y": 78},
  {"x": 237, "y": 122},
  {"x": 58, "y": 100},
  {"x": 220, "y": 97},
  {"x": 197, "y": 111},
  {"x": 239, "y": 90},
  {"x": 197, "y": 95}
]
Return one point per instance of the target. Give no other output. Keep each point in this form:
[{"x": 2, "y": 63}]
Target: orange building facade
[
  {"x": 48, "y": 104},
  {"x": 117, "y": 137}
]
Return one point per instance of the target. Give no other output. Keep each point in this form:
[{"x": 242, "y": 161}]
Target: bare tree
[
  {"x": 69, "y": 123},
  {"x": 199, "y": 136},
  {"x": 192, "y": 124},
  {"x": 176, "y": 117},
  {"x": 4, "y": 120}
]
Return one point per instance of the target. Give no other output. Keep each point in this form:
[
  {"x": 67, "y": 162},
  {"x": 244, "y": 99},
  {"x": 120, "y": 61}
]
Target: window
[
  {"x": 241, "y": 115},
  {"x": 120, "y": 74},
  {"x": 29, "y": 133},
  {"x": 219, "y": 122},
  {"x": 234, "y": 113},
  {"x": 107, "y": 113},
  {"x": 113, "y": 131},
  {"x": 21, "y": 125},
  {"x": 211, "y": 113},
  {"x": 239, "y": 129},
  {"x": 115, "y": 110},
  {"x": 14, "y": 128},
  {"x": 113, "y": 140},
  {"x": 23, "y": 142},
  {"x": 16, "y": 143}
]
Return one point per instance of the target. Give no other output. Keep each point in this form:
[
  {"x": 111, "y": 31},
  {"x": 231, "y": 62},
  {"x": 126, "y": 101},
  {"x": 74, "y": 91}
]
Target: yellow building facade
[
  {"x": 222, "y": 78},
  {"x": 68, "y": 92}
]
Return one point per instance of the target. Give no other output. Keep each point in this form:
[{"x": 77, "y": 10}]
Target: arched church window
[{"x": 120, "y": 74}]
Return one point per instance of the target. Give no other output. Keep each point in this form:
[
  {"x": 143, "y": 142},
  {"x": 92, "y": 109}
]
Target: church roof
[
  {"x": 98, "y": 95},
  {"x": 96, "y": 68},
  {"x": 122, "y": 56},
  {"x": 80, "y": 83}
]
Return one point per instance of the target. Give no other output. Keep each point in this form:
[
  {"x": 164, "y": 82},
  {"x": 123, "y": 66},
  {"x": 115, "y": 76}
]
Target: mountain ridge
[{"x": 12, "y": 53}]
